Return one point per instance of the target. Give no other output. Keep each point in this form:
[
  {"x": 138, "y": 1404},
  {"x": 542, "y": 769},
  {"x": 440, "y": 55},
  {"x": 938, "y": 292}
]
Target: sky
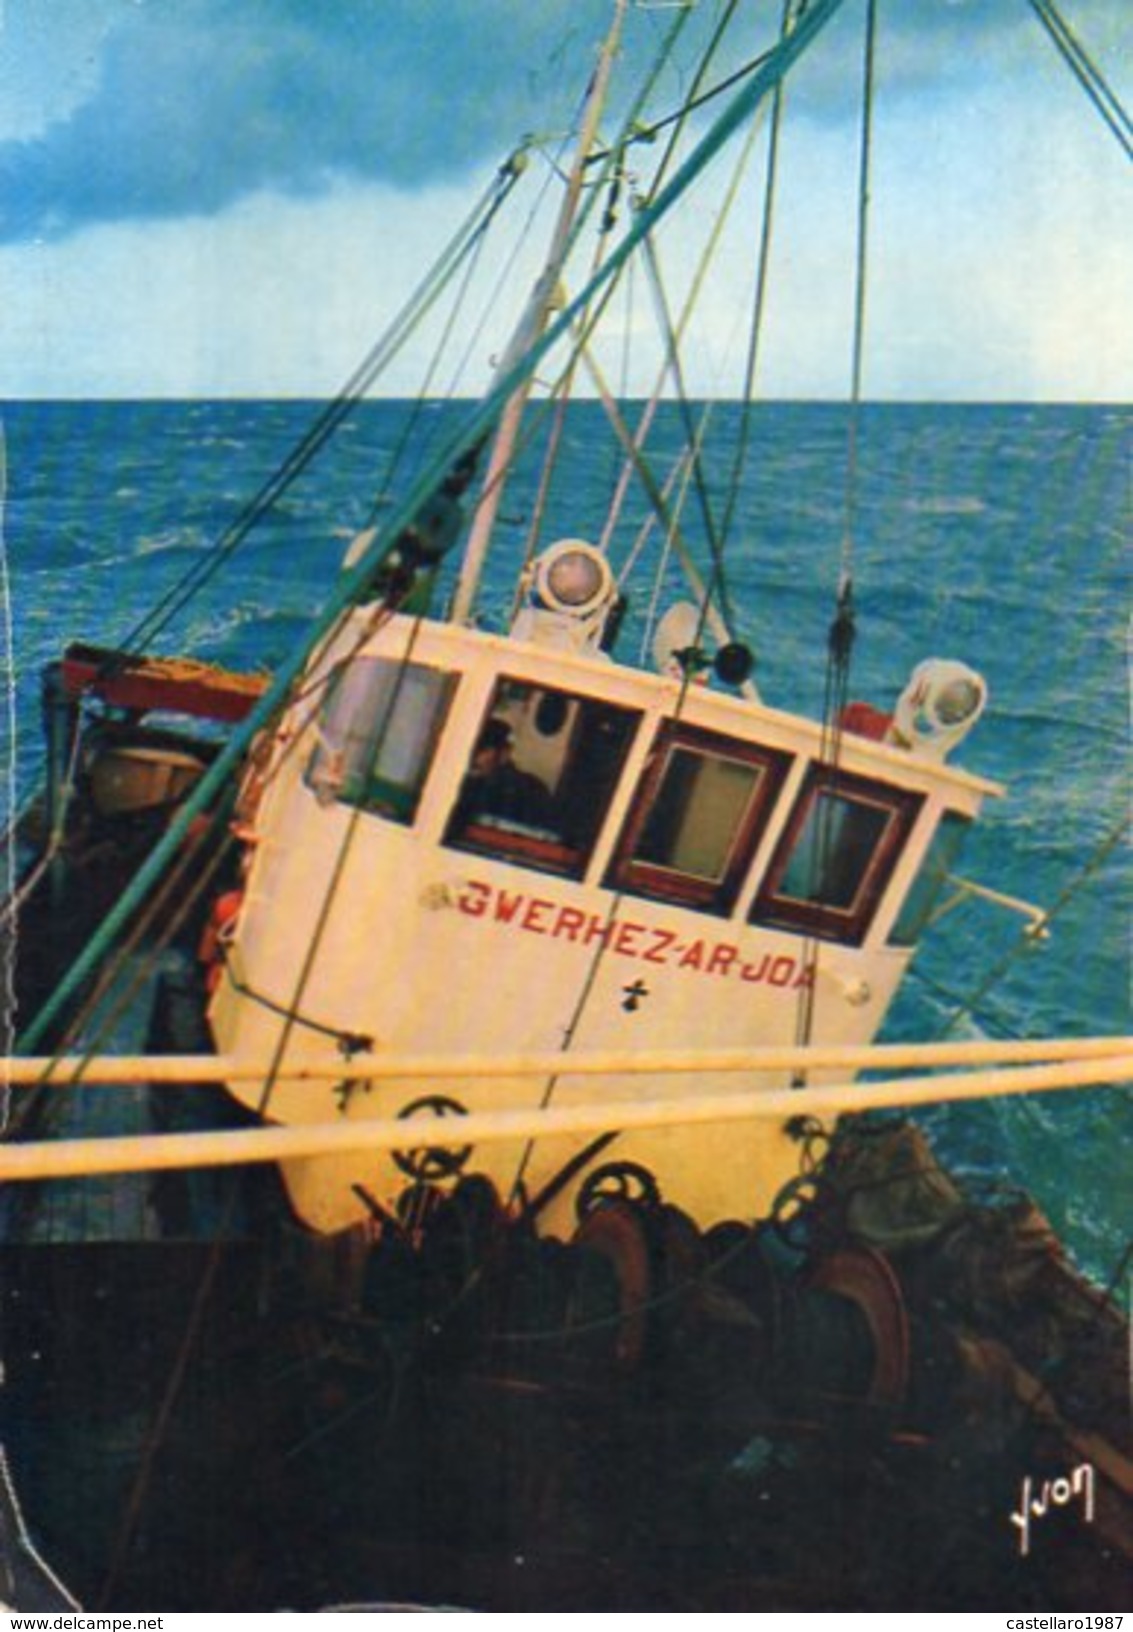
[{"x": 231, "y": 197}]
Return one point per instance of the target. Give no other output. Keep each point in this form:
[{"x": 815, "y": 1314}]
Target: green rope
[{"x": 354, "y": 583}]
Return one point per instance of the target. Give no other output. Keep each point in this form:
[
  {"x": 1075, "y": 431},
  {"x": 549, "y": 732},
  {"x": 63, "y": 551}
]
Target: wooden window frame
[
  {"x": 849, "y": 925},
  {"x": 655, "y": 882}
]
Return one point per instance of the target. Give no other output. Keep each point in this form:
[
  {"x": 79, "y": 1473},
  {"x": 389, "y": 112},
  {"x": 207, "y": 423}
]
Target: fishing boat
[{"x": 434, "y": 1121}]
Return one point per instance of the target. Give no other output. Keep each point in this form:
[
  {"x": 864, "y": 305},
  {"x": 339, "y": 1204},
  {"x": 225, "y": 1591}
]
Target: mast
[{"x": 528, "y": 330}]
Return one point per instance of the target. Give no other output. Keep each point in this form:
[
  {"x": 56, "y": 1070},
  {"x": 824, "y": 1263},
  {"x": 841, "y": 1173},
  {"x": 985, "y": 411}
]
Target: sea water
[{"x": 997, "y": 535}]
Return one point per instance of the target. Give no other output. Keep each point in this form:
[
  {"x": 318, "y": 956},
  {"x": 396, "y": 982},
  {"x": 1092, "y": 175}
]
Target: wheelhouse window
[
  {"x": 377, "y": 734},
  {"x": 701, "y": 807},
  {"x": 836, "y": 856},
  {"x": 919, "y": 905},
  {"x": 541, "y": 777}
]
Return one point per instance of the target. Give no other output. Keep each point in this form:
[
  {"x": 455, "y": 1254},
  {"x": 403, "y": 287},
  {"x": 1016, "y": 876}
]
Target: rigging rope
[
  {"x": 17, "y": 896},
  {"x": 717, "y": 534},
  {"x": 760, "y": 296},
  {"x": 995, "y": 1024},
  {"x": 719, "y": 582},
  {"x": 180, "y": 892},
  {"x": 635, "y": 460},
  {"x": 203, "y": 1297},
  {"x": 587, "y": 320},
  {"x": 590, "y": 978},
  {"x": 8, "y": 780},
  {"x": 531, "y": 339},
  {"x": 357, "y": 577},
  {"x": 507, "y": 267},
  {"x": 1026, "y": 939},
  {"x": 104, "y": 1018},
  {"x": 650, "y": 410},
  {"x": 860, "y": 282},
  {"x": 459, "y": 247},
  {"x": 657, "y": 495},
  {"x": 565, "y": 384},
  {"x": 658, "y": 498},
  {"x": 292, "y": 1015},
  {"x": 412, "y": 419},
  {"x": 682, "y": 473}
]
